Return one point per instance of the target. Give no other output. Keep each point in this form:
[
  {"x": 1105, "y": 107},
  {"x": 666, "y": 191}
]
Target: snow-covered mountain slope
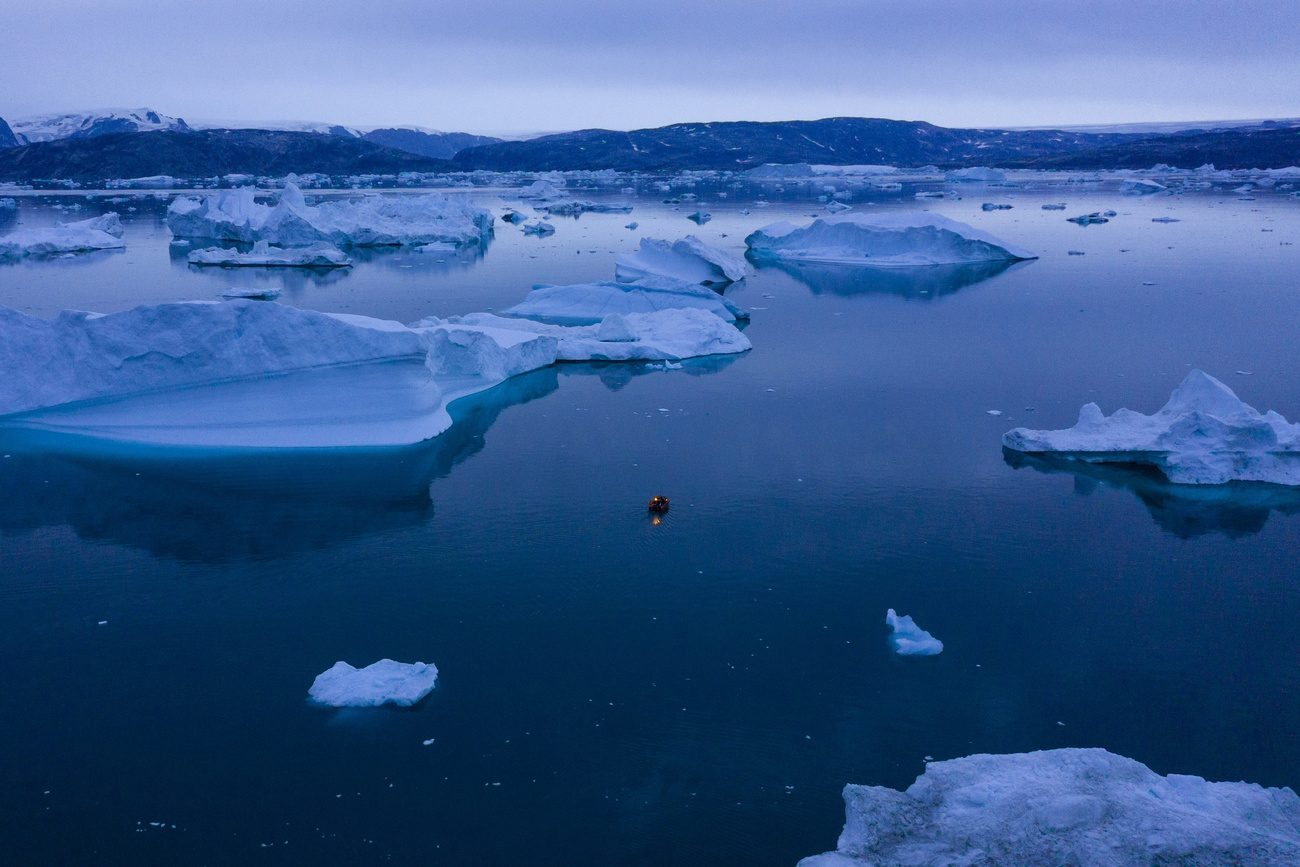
[{"x": 84, "y": 124}]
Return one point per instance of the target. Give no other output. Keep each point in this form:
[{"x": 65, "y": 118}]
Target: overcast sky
[{"x": 496, "y": 66}]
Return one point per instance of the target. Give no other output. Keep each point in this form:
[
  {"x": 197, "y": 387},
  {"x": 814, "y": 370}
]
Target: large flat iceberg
[
  {"x": 1083, "y": 807},
  {"x": 382, "y": 682},
  {"x": 689, "y": 259},
  {"x": 372, "y": 221},
  {"x": 98, "y": 233},
  {"x": 322, "y": 254},
  {"x": 1204, "y": 435},
  {"x": 881, "y": 240},
  {"x": 589, "y": 303}
]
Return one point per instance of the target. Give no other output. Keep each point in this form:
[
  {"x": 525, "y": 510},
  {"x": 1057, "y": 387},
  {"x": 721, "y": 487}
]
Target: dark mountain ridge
[{"x": 7, "y": 137}]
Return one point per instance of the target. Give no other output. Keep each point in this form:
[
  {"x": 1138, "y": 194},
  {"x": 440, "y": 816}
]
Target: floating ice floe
[
  {"x": 322, "y": 254},
  {"x": 98, "y": 233},
  {"x": 589, "y": 303},
  {"x": 885, "y": 240},
  {"x": 1204, "y": 435},
  {"x": 1054, "y": 207},
  {"x": 379, "y": 683},
  {"x": 689, "y": 259},
  {"x": 8, "y": 204},
  {"x": 540, "y": 229},
  {"x": 909, "y": 639},
  {"x": 374, "y": 221},
  {"x": 1141, "y": 187},
  {"x": 981, "y": 174},
  {"x": 267, "y": 294},
  {"x": 994, "y": 206},
  {"x": 1086, "y": 807},
  {"x": 1165, "y": 220},
  {"x": 1088, "y": 219},
  {"x": 661, "y": 335},
  {"x": 700, "y": 217},
  {"x": 555, "y": 201}
]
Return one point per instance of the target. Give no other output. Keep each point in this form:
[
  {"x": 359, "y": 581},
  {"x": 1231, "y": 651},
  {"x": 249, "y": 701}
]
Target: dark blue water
[{"x": 617, "y": 692}]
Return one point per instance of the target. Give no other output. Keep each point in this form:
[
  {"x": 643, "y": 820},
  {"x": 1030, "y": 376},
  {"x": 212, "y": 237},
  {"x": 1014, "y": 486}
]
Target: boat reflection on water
[
  {"x": 924, "y": 282},
  {"x": 211, "y": 505},
  {"x": 1234, "y": 509}
]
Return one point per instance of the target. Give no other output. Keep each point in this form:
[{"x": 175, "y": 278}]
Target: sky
[{"x": 496, "y": 67}]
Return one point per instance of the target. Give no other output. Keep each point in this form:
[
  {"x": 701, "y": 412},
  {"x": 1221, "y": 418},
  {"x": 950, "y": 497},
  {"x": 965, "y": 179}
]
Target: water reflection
[
  {"x": 1236, "y": 509},
  {"x": 614, "y": 375},
  {"x": 212, "y": 506},
  {"x": 924, "y": 282}
]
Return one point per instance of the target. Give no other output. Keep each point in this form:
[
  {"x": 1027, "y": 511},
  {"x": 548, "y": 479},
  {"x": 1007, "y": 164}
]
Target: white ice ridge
[
  {"x": 1204, "y": 435},
  {"x": 689, "y": 259},
  {"x": 662, "y": 335},
  {"x": 883, "y": 240},
  {"x": 402, "y": 683},
  {"x": 373, "y": 221},
  {"x": 1085, "y": 807},
  {"x": 909, "y": 639},
  {"x": 98, "y": 233},
  {"x": 589, "y": 303},
  {"x": 322, "y": 254}
]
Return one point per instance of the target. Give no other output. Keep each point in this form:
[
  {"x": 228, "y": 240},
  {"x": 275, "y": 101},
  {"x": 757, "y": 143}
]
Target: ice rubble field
[
  {"x": 885, "y": 240},
  {"x": 379, "y": 683},
  {"x": 1069, "y": 806},
  {"x": 1204, "y": 435}
]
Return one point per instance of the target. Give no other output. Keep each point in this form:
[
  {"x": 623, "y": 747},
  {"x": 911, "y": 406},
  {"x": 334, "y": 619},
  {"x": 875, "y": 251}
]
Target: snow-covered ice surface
[
  {"x": 1082, "y": 807},
  {"x": 322, "y": 254},
  {"x": 98, "y": 233},
  {"x": 373, "y": 221},
  {"x": 909, "y": 639},
  {"x": 881, "y": 240},
  {"x": 1204, "y": 435},
  {"x": 689, "y": 259},
  {"x": 382, "y": 682},
  {"x": 589, "y": 303}
]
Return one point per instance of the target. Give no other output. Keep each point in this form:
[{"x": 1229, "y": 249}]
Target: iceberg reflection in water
[
  {"x": 213, "y": 505},
  {"x": 1234, "y": 509},
  {"x": 924, "y": 282}
]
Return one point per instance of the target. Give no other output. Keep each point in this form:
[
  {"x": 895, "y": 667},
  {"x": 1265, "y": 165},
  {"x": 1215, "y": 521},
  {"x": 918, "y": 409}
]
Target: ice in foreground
[
  {"x": 909, "y": 639},
  {"x": 1084, "y": 807},
  {"x": 689, "y": 259},
  {"x": 882, "y": 240},
  {"x": 97, "y": 233},
  {"x": 381, "y": 682},
  {"x": 1204, "y": 435},
  {"x": 374, "y": 221},
  {"x": 322, "y": 254},
  {"x": 589, "y": 303}
]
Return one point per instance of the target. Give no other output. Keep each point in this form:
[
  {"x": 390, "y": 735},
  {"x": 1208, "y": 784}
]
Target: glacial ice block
[
  {"x": 909, "y": 639},
  {"x": 661, "y": 335},
  {"x": 980, "y": 174},
  {"x": 1204, "y": 435},
  {"x": 589, "y": 303},
  {"x": 1086, "y": 807},
  {"x": 322, "y": 254},
  {"x": 881, "y": 240},
  {"x": 381, "y": 682},
  {"x": 373, "y": 221},
  {"x": 1141, "y": 187},
  {"x": 689, "y": 259},
  {"x": 98, "y": 233}
]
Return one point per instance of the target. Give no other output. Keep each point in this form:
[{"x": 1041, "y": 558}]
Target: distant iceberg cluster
[
  {"x": 881, "y": 240},
  {"x": 550, "y": 196},
  {"x": 373, "y": 221},
  {"x": 98, "y": 233},
  {"x": 1069, "y": 806},
  {"x": 1204, "y": 435}
]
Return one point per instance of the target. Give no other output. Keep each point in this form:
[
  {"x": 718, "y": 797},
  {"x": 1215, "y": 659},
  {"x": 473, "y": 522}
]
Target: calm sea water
[{"x": 617, "y": 692}]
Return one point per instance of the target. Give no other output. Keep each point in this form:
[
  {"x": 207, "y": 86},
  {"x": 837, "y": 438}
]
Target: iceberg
[
  {"x": 909, "y": 639},
  {"x": 267, "y": 294},
  {"x": 1204, "y": 435},
  {"x": 1141, "y": 187},
  {"x": 994, "y": 206},
  {"x": 374, "y": 221},
  {"x": 1088, "y": 219},
  {"x": 381, "y": 682},
  {"x": 97, "y": 233},
  {"x": 662, "y": 335},
  {"x": 700, "y": 217},
  {"x": 1086, "y": 807},
  {"x": 981, "y": 174},
  {"x": 541, "y": 229},
  {"x": 589, "y": 303},
  {"x": 884, "y": 240},
  {"x": 322, "y": 254},
  {"x": 689, "y": 259}
]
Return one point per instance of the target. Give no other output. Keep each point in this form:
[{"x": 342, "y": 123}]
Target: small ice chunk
[
  {"x": 268, "y": 293},
  {"x": 1088, "y": 219},
  {"x": 1165, "y": 220},
  {"x": 378, "y": 683},
  {"x": 1054, "y": 207},
  {"x": 994, "y": 411},
  {"x": 426, "y": 743},
  {"x": 632, "y": 225},
  {"x": 540, "y": 228},
  {"x": 909, "y": 639},
  {"x": 994, "y": 206},
  {"x": 700, "y": 217}
]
